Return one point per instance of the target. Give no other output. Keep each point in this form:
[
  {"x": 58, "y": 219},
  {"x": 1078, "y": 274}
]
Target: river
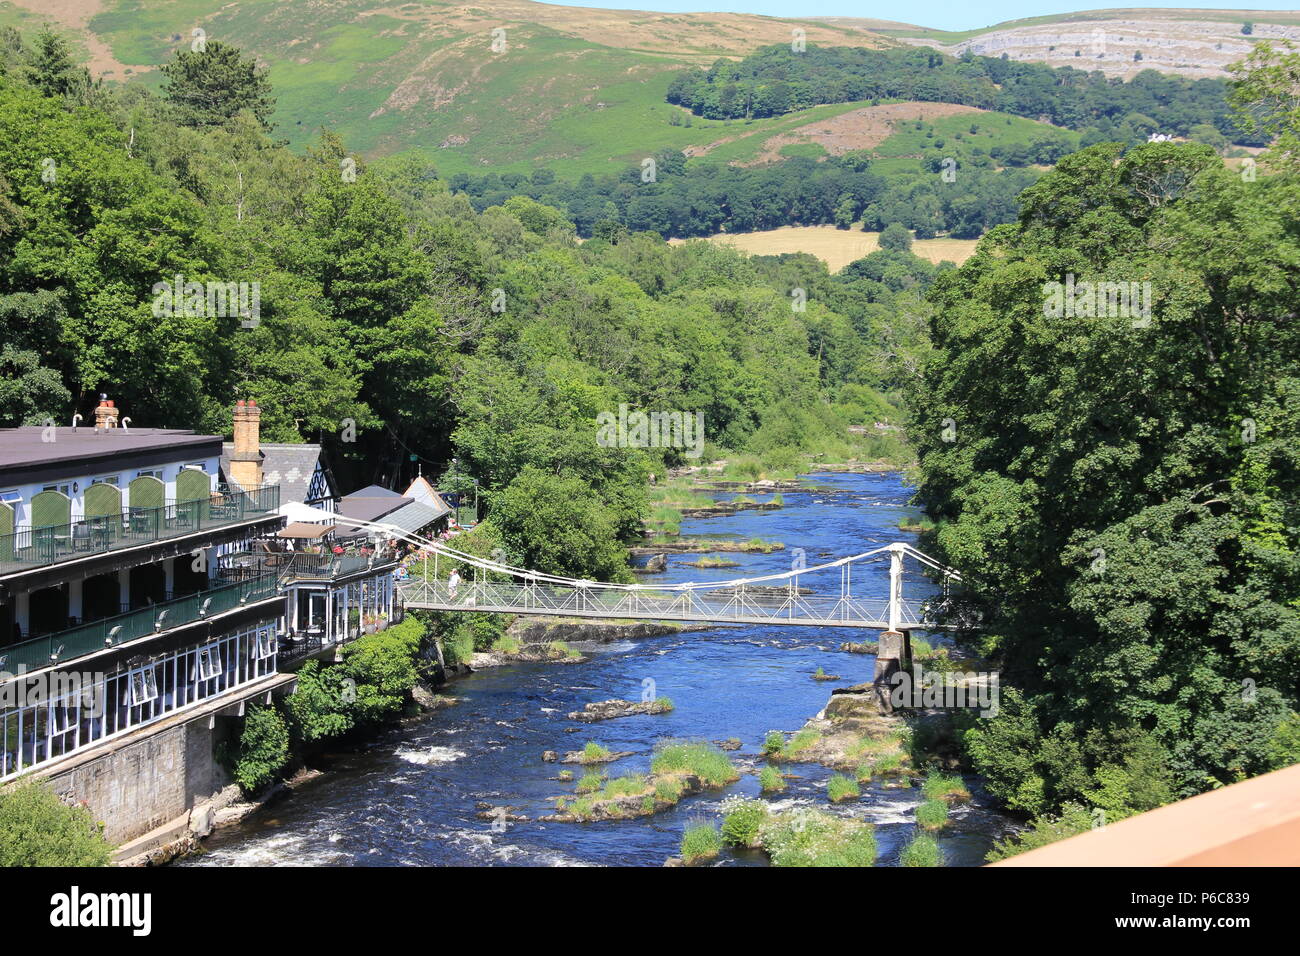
[{"x": 410, "y": 797}]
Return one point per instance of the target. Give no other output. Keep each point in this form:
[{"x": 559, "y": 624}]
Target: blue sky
[{"x": 941, "y": 14}]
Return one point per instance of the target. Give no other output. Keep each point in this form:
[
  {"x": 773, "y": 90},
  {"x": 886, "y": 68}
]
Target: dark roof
[
  {"x": 26, "y": 454},
  {"x": 371, "y": 504},
  {"x": 411, "y": 516},
  {"x": 373, "y": 491},
  {"x": 288, "y": 465},
  {"x": 414, "y": 516}
]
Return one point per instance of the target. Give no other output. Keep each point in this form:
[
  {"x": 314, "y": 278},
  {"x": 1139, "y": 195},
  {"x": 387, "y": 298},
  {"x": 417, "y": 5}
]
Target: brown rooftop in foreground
[
  {"x": 1253, "y": 823},
  {"x": 33, "y": 445}
]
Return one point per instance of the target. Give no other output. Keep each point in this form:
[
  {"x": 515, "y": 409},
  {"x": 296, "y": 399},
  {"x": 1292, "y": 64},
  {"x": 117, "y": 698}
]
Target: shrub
[
  {"x": 932, "y": 815},
  {"x": 922, "y": 851},
  {"x": 742, "y": 822},
  {"x": 840, "y": 788},
  {"x": 701, "y": 841},
  {"x": 1073, "y": 819},
  {"x": 770, "y": 780},
  {"x": 705, "y": 761},
  {"x": 263, "y": 749},
  {"x": 628, "y": 786},
  {"x": 458, "y": 646},
  {"x": 383, "y": 667},
  {"x": 593, "y": 752},
  {"x": 505, "y": 644},
  {"x": 773, "y": 743},
  {"x": 319, "y": 706},
  {"x": 815, "y": 838},
  {"x": 589, "y": 783},
  {"x": 944, "y": 786},
  {"x": 39, "y": 829},
  {"x": 801, "y": 741}
]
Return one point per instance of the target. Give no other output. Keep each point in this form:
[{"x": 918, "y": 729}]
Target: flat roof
[{"x": 32, "y": 451}]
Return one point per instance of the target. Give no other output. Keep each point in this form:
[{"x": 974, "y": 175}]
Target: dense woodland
[
  {"x": 700, "y": 199},
  {"x": 777, "y": 80},
  {"x": 386, "y": 300},
  {"x": 1123, "y": 500},
  {"x": 1123, "y": 495}
]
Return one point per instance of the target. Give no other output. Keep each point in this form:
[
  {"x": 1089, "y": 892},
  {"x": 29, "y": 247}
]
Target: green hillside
[{"x": 579, "y": 90}]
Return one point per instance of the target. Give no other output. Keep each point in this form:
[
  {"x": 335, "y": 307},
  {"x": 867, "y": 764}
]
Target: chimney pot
[{"x": 105, "y": 414}]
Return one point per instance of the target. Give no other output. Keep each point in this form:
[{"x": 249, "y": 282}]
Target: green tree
[
  {"x": 39, "y": 829},
  {"x": 558, "y": 525},
  {"x": 262, "y": 751},
  {"x": 51, "y": 68},
  {"x": 896, "y": 238},
  {"x": 210, "y": 86}
]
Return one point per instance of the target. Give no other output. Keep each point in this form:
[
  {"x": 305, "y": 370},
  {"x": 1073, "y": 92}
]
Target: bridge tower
[{"x": 894, "y": 650}]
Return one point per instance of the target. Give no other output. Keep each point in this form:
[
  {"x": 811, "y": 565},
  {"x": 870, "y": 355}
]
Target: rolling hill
[{"x": 576, "y": 89}]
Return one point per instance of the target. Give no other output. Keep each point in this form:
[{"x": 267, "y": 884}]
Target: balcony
[
  {"x": 113, "y": 631},
  {"x": 29, "y": 548},
  {"x": 305, "y": 565}
]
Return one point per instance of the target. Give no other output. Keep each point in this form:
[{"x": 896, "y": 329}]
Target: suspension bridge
[{"x": 824, "y": 595}]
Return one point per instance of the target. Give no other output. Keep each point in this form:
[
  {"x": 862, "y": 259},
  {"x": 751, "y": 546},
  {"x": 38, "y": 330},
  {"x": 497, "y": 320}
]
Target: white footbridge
[{"x": 824, "y": 595}]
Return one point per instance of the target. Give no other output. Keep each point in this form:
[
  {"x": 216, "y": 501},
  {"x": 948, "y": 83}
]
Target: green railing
[
  {"x": 34, "y": 547},
  {"x": 112, "y": 631}
]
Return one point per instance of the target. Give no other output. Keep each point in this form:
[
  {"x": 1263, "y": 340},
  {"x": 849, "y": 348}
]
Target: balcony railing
[
  {"x": 112, "y": 631},
  {"x": 35, "y": 547},
  {"x": 304, "y": 566}
]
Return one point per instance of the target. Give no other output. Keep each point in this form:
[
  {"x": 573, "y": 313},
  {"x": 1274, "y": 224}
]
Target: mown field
[{"x": 836, "y": 247}]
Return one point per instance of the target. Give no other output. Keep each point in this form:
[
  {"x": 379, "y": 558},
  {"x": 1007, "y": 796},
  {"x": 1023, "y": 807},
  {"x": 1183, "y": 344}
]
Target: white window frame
[
  {"x": 263, "y": 644},
  {"x": 147, "y": 685},
  {"x": 207, "y": 663}
]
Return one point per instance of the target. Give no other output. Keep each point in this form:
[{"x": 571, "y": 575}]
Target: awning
[
  {"x": 297, "y": 511},
  {"x": 301, "y": 529}
]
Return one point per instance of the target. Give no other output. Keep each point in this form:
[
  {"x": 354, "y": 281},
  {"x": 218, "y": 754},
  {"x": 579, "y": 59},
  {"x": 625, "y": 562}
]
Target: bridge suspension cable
[{"x": 899, "y": 549}]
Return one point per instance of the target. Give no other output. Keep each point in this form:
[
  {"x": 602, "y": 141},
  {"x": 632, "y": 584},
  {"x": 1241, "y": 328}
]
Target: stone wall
[{"x": 147, "y": 783}]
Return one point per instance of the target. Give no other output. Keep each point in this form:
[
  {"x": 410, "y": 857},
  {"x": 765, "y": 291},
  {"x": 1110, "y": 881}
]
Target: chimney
[
  {"x": 246, "y": 459},
  {"x": 105, "y": 415}
]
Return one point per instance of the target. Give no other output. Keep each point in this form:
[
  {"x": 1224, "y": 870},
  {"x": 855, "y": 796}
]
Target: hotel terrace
[{"x": 136, "y": 585}]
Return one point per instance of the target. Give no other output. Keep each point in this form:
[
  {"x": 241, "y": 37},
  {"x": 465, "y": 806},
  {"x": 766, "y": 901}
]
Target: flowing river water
[{"x": 410, "y": 797}]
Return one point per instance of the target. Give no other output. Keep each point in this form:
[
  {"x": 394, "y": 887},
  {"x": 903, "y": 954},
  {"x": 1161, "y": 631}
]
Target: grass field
[{"x": 836, "y": 247}]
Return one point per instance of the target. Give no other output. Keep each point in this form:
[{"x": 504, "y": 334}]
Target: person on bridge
[{"x": 453, "y": 582}]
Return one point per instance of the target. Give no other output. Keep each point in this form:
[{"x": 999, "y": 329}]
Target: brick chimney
[
  {"x": 246, "y": 459},
  {"x": 105, "y": 415}
]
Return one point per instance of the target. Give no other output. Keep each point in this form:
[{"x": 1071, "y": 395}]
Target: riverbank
[{"x": 414, "y": 793}]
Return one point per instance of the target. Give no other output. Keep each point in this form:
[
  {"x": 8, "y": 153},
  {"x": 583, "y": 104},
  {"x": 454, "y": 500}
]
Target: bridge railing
[{"x": 767, "y": 605}]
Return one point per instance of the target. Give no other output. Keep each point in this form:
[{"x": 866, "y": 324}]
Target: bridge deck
[{"x": 736, "y": 606}]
